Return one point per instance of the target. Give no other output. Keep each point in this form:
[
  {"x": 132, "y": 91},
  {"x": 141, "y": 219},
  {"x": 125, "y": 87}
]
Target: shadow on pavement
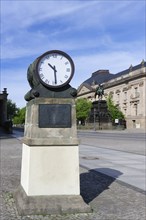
[{"x": 93, "y": 182}]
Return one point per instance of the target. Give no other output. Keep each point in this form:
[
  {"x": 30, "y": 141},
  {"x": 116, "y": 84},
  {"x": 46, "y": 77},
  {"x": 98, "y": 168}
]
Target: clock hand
[
  {"x": 55, "y": 75},
  {"x": 51, "y": 66},
  {"x": 54, "y": 68}
]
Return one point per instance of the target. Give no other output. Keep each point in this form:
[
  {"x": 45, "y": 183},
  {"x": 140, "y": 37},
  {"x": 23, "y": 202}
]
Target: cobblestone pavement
[{"x": 109, "y": 199}]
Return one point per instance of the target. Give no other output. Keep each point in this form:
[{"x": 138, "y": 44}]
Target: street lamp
[{"x": 94, "y": 114}]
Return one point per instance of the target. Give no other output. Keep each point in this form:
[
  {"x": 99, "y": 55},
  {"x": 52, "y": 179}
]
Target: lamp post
[
  {"x": 94, "y": 114},
  {"x": 99, "y": 113}
]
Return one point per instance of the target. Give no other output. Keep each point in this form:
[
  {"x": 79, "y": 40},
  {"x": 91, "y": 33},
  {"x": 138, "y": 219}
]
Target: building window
[
  {"x": 134, "y": 123},
  {"x": 135, "y": 106},
  {"x": 118, "y": 97},
  {"x": 136, "y": 91},
  {"x": 125, "y": 95},
  {"x": 111, "y": 94}
]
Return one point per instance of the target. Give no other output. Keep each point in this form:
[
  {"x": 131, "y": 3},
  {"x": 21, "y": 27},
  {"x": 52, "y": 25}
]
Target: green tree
[
  {"x": 20, "y": 117},
  {"x": 114, "y": 110},
  {"x": 83, "y": 107},
  {"x": 12, "y": 109}
]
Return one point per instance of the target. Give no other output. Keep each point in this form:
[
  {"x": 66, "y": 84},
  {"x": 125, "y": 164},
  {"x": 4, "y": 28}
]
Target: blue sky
[{"x": 97, "y": 34}]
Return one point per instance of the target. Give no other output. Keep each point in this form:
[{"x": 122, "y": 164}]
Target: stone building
[
  {"x": 127, "y": 88},
  {"x": 3, "y": 107}
]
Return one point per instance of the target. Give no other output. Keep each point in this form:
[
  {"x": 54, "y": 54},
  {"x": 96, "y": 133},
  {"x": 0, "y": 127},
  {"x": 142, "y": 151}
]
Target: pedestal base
[
  {"x": 50, "y": 170},
  {"x": 50, "y": 160},
  {"x": 45, "y": 205}
]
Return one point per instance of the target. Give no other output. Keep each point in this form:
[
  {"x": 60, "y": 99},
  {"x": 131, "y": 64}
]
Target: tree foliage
[
  {"x": 20, "y": 117},
  {"x": 83, "y": 107},
  {"x": 114, "y": 110},
  {"x": 12, "y": 109}
]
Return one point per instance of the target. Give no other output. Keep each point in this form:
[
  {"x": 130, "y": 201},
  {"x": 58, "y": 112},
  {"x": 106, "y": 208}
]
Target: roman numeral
[
  {"x": 48, "y": 57},
  {"x": 47, "y": 81},
  {"x": 42, "y": 76},
  {"x": 54, "y": 55}
]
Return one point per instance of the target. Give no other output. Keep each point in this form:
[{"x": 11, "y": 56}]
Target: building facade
[
  {"x": 128, "y": 91},
  {"x": 3, "y": 106}
]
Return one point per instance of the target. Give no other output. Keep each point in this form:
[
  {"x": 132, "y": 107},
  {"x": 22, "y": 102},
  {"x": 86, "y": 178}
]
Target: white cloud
[
  {"x": 113, "y": 61},
  {"x": 97, "y": 34},
  {"x": 19, "y": 40},
  {"x": 93, "y": 16},
  {"x": 26, "y": 13},
  {"x": 15, "y": 81}
]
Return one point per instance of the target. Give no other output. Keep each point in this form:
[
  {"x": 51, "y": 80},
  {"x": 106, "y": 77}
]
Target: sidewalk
[
  {"x": 132, "y": 130},
  {"x": 125, "y": 167},
  {"x": 109, "y": 199}
]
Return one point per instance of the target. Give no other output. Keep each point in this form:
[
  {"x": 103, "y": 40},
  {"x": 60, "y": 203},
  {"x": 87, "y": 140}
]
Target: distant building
[
  {"x": 3, "y": 106},
  {"x": 127, "y": 88}
]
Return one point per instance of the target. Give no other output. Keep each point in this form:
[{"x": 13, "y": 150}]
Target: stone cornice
[{"x": 123, "y": 80}]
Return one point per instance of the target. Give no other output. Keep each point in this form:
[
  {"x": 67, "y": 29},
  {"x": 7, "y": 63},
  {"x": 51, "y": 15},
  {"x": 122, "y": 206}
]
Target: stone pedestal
[
  {"x": 50, "y": 159},
  {"x": 50, "y": 170},
  {"x": 100, "y": 116},
  {"x": 50, "y": 122}
]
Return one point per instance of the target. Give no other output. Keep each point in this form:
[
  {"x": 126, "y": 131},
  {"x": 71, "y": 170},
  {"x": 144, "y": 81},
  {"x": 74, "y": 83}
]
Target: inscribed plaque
[{"x": 54, "y": 115}]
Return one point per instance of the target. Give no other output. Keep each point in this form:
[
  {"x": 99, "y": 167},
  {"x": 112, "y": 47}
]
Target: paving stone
[{"x": 109, "y": 199}]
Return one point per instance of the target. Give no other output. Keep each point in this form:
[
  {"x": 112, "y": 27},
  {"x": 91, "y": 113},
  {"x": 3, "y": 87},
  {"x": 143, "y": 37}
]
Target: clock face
[{"x": 55, "y": 68}]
